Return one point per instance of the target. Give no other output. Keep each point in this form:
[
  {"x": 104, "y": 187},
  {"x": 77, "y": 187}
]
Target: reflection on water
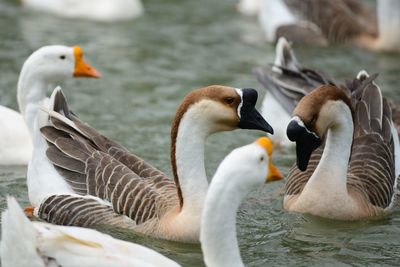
[{"x": 148, "y": 65}]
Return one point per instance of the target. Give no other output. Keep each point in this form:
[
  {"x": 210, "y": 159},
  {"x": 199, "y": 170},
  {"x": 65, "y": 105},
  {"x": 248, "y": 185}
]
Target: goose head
[
  {"x": 219, "y": 108},
  {"x": 250, "y": 165},
  {"x": 54, "y": 63},
  {"x": 314, "y": 115}
]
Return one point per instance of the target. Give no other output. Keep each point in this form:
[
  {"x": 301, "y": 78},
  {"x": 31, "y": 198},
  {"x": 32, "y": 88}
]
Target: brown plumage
[
  {"x": 371, "y": 171},
  {"x": 111, "y": 183}
]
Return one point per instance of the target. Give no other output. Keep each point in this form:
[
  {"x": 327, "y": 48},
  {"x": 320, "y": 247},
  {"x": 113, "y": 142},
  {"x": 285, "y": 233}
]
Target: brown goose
[
  {"x": 324, "y": 21},
  {"x": 354, "y": 173},
  {"x": 89, "y": 179}
]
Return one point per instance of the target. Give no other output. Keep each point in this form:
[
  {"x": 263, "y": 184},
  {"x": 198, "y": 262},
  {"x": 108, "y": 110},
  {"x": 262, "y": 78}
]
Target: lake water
[{"x": 148, "y": 65}]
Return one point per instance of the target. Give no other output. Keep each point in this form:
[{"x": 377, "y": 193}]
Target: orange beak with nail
[
  {"x": 274, "y": 174},
  {"x": 82, "y": 68}
]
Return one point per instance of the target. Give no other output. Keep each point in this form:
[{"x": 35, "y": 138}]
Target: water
[{"x": 148, "y": 66}]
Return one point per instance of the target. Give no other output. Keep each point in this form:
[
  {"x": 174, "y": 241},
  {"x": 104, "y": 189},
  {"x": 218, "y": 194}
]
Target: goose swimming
[
  {"x": 39, "y": 244},
  {"x": 347, "y": 153},
  {"x": 79, "y": 177}
]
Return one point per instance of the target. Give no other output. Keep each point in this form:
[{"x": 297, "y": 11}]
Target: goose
[
  {"x": 96, "y": 10},
  {"x": 243, "y": 170},
  {"x": 347, "y": 151},
  {"x": 41, "y": 244},
  {"x": 286, "y": 82},
  {"x": 322, "y": 21},
  {"x": 79, "y": 177},
  {"x": 46, "y": 66}
]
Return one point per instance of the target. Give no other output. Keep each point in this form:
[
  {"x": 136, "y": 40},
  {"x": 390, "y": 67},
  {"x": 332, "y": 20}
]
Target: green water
[{"x": 148, "y": 66}]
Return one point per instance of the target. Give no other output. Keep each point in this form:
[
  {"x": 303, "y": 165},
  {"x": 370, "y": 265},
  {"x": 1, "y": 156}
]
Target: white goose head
[
  {"x": 314, "y": 115},
  {"x": 57, "y": 62},
  {"x": 203, "y": 112},
  {"x": 47, "y": 66}
]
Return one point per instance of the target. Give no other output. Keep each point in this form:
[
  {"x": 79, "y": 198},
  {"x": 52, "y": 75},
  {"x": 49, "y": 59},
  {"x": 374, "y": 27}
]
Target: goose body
[
  {"x": 98, "y": 10},
  {"x": 40, "y": 244},
  {"x": 46, "y": 66},
  {"x": 322, "y": 22},
  {"x": 77, "y": 171},
  {"x": 347, "y": 147}
]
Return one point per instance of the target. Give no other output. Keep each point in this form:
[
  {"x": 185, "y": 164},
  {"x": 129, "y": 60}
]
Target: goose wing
[
  {"x": 372, "y": 162},
  {"x": 286, "y": 79},
  {"x": 95, "y": 165}
]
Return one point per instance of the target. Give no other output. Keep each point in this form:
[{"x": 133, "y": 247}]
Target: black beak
[
  {"x": 306, "y": 142},
  {"x": 250, "y": 118}
]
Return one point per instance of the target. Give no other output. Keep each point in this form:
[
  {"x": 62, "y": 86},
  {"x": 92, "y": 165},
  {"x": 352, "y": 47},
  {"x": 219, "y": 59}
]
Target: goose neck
[
  {"x": 218, "y": 226},
  {"x": 30, "y": 93},
  {"x": 331, "y": 172},
  {"x": 187, "y": 156}
]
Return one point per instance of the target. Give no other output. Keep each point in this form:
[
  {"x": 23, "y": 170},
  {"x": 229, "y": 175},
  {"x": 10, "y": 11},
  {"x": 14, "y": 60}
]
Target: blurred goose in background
[
  {"x": 35, "y": 244},
  {"x": 79, "y": 177},
  {"x": 323, "y": 21},
  {"x": 347, "y": 153},
  {"x": 98, "y": 10},
  {"x": 46, "y": 66}
]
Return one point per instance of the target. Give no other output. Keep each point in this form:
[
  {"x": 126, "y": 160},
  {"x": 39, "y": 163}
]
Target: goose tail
[{"x": 18, "y": 237}]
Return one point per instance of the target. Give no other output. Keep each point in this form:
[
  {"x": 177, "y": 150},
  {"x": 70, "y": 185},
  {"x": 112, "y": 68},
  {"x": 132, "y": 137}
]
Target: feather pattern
[{"x": 94, "y": 165}]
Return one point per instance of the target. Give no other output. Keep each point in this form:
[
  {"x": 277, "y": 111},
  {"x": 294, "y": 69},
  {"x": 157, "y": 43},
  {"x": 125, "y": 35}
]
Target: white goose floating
[
  {"x": 354, "y": 174},
  {"x": 97, "y": 10},
  {"x": 324, "y": 21},
  {"x": 46, "y": 66},
  {"x": 38, "y": 244},
  {"x": 82, "y": 178}
]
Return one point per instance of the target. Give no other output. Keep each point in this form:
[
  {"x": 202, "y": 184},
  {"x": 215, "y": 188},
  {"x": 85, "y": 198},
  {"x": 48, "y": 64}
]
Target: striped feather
[{"x": 94, "y": 165}]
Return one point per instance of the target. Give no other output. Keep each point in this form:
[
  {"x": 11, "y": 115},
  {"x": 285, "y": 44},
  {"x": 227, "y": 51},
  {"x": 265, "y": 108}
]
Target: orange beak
[
  {"x": 83, "y": 69},
  {"x": 274, "y": 174}
]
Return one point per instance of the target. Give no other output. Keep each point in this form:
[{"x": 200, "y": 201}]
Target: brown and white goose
[
  {"x": 323, "y": 21},
  {"x": 347, "y": 153},
  {"x": 88, "y": 179}
]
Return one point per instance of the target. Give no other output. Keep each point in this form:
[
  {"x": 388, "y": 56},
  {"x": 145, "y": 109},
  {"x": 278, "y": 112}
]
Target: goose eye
[
  {"x": 229, "y": 100},
  {"x": 262, "y": 158},
  {"x": 62, "y": 57}
]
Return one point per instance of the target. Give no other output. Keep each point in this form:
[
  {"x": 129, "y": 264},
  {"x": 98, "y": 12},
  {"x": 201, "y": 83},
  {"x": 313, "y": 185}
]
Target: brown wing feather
[{"x": 94, "y": 165}]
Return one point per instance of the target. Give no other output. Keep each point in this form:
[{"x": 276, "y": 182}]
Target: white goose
[
  {"x": 40, "y": 244},
  {"x": 98, "y": 10},
  {"x": 37, "y": 244},
  {"x": 323, "y": 21},
  {"x": 46, "y": 66},
  {"x": 354, "y": 175},
  {"x": 82, "y": 178}
]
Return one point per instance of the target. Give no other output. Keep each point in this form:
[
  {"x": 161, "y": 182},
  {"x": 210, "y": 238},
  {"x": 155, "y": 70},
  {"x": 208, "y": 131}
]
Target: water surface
[{"x": 148, "y": 66}]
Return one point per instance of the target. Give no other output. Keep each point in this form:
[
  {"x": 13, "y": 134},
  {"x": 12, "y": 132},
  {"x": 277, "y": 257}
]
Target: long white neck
[
  {"x": 189, "y": 153},
  {"x": 389, "y": 24},
  {"x": 30, "y": 94},
  {"x": 218, "y": 226},
  {"x": 330, "y": 175}
]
